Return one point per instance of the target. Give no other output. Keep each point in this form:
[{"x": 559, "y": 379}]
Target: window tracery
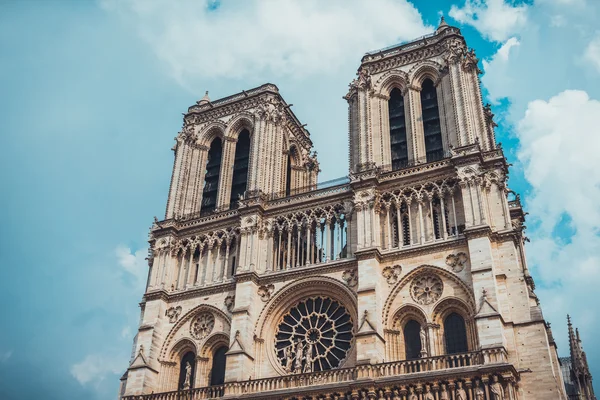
[
  {"x": 315, "y": 335},
  {"x": 426, "y": 289},
  {"x": 202, "y": 325}
]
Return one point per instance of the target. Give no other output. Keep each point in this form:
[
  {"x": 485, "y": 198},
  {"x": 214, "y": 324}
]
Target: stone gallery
[{"x": 405, "y": 280}]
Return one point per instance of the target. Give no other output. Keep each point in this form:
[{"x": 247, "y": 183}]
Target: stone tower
[{"x": 405, "y": 280}]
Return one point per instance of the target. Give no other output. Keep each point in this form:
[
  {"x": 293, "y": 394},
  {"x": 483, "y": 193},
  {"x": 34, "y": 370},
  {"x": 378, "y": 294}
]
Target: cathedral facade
[{"x": 405, "y": 280}]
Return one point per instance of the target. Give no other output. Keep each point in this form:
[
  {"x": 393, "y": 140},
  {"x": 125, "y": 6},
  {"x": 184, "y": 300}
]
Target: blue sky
[{"x": 92, "y": 96}]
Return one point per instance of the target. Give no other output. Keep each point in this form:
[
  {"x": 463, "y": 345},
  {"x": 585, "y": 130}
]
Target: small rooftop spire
[
  {"x": 205, "y": 99},
  {"x": 443, "y": 25}
]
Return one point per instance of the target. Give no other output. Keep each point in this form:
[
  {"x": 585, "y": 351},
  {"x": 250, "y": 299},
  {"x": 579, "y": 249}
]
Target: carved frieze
[
  {"x": 457, "y": 262},
  {"x": 392, "y": 273},
  {"x": 173, "y": 313},
  {"x": 202, "y": 325},
  {"x": 426, "y": 289}
]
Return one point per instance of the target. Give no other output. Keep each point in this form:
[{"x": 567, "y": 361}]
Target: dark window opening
[
  {"x": 239, "y": 181},
  {"x": 288, "y": 176},
  {"x": 217, "y": 376},
  {"x": 412, "y": 339},
  {"x": 431, "y": 122},
  {"x": 398, "y": 144},
  {"x": 211, "y": 177},
  {"x": 455, "y": 334},
  {"x": 188, "y": 358}
]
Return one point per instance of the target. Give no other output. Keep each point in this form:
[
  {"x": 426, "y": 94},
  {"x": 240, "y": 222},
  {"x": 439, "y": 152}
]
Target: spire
[
  {"x": 443, "y": 25},
  {"x": 204, "y": 100},
  {"x": 572, "y": 341}
]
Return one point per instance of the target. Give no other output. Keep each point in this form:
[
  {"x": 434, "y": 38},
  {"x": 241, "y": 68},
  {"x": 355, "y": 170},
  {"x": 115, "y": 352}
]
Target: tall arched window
[
  {"x": 431, "y": 121},
  {"x": 211, "y": 177},
  {"x": 398, "y": 145},
  {"x": 217, "y": 375},
  {"x": 239, "y": 182},
  {"x": 288, "y": 174},
  {"x": 412, "y": 339},
  {"x": 186, "y": 379},
  {"x": 455, "y": 334}
]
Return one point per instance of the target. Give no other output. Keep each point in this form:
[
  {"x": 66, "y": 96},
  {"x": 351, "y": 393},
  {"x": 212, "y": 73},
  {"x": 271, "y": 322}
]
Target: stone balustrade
[{"x": 469, "y": 363}]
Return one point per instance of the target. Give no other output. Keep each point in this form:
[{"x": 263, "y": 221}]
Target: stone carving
[
  {"x": 496, "y": 389},
  {"x": 391, "y": 274},
  {"x": 314, "y": 334},
  {"x": 479, "y": 394},
  {"x": 423, "y": 337},
  {"x": 411, "y": 394},
  {"x": 461, "y": 394},
  {"x": 188, "y": 376},
  {"x": 426, "y": 289},
  {"x": 444, "y": 393},
  {"x": 202, "y": 325},
  {"x": 350, "y": 277},
  {"x": 173, "y": 313},
  {"x": 265, "y": 292},
  {"x": 428, "y": 395},
  {"x": 229, "y": 302},
  {"x": 457, "y": 261}
]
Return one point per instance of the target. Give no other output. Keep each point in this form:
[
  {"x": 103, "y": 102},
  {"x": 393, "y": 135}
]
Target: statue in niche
[
  {"x": 496, "y": 389},
  {"x": 396, "y": 395},
  {"x": 444, "y": 393},
  {"x": 289, "y": 357},
  {"x": 423, "y": 342},
  {"x": 428, "y": 395},
  {"x": 308, "y": 365},
  {"x": 479, "y": 394},
  {"x": 299, "y": 357},
  {"x": 461, "y": 394},
  {"x": 411, "y": 394},
  {"x": 188, "y": 376},
  {"x": 381, "y": 395}
]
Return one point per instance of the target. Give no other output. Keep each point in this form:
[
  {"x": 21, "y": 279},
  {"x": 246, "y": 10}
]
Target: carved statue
[
  {"x": 396, "y": 395},
  {"x": 188, "y": 376},
  {"x": 423, "y": 342},
  {"x": 461, "y": 394},
  {"x": 289, "y": 357},
  {"x": 411, "y": 394},
  {"x": 428, "y": 395},
  {"x": 444, "y": 393},
  {"x": 496, "y": 389},
  {"x": 479, "y": 394},
  {"x": 308, "y": 365},
  {"x": 299, "y": 357}
]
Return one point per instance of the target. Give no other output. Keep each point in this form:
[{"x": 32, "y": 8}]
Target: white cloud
[
  {"x": 560, "y": 143},
  {"x": 592, "y": 52},
  {"x": 497, "y": 20},
  {"x": 133, "y": 263},
  {"x": 498, "y": 65},
  {"x": 272, "y": 38},
  {"x": 96, "y": 367}
]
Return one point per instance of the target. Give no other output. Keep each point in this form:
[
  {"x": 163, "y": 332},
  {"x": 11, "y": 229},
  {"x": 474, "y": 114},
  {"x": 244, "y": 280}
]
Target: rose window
[
  {"x": 202, "y": 325},
  {"x": 426, "y": 289},
  {"x": 315, "y": 335}
]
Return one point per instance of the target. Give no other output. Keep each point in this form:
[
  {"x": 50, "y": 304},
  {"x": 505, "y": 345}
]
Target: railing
[
  {"x": 319, "y": 186},
  {"x": 496, "y": 355}
]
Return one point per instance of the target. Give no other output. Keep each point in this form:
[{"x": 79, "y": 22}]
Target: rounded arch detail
[
  {"x": 426, "y": 69},
  {"x": 164, "y": 352},
  {"x": 391, "y": 80},
  {"x": 212, "y": 343},
  {"x": 181, "y": 347},
  {"x": 422, "y": 270},
  {"x": 238, "y": 123},
  {"x": 406, "y": 313},
  {"x": 213, "y": 130}
]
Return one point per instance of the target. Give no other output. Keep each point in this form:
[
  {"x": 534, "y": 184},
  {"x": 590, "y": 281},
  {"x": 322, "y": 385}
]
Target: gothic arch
[
  {"x": 423, "y": 269},
  {"x": 210, "y": 132},
  {"x": 238, "y": 123},
  {"x": 181, "y": 347},
  {"x": 390, "y": 80},
  {"x": 451, "y": 305},
  {"x": 185, "y": 319},
  {"x": 290, "y": 295},
  {"x": 406, "y": 313},
  {"x": 423, "y": 70}
]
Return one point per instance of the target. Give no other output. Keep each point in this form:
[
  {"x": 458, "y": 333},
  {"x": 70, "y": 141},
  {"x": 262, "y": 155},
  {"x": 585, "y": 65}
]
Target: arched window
[
  {"x": 211, "y": 177},
  {"x": 239, "y": 182},
  {"x": 412, "y": 339},
  {"x": 398, "y": 145},
  {"x": 288, "y": 175},
  {"x": 186, "y": 379},
  {"x": 431, "y": 122},
  {"x": 217, "y": 375},
  {"x": 455, "y": 334}
]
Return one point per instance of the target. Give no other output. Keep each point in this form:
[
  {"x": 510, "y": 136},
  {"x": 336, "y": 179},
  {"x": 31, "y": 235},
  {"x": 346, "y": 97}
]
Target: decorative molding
[
  {"x": 392, "y": 274},
  {"x": 426, "y": 289},
  {"x": 173, "y": 313},
  {"x": 458, "y": 261},
  {"x": 265, "y": 292},
  {"x": 202, "y": 325}
]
